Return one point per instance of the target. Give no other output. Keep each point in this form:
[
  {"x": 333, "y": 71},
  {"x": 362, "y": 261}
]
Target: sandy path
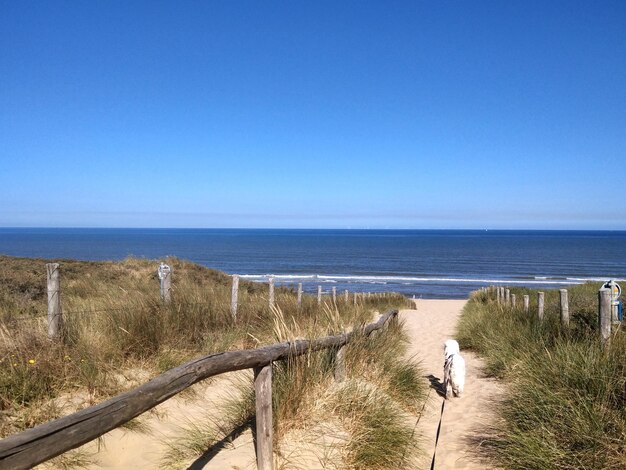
[
  {"x": 429, "y": 326},
  {"x": 121, "y": 449}
]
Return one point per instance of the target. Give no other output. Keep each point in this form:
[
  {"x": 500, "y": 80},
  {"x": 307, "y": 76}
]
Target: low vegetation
[
  {"x": 364, "y": 421},
  {"x": 118, "y": 334},
  {"x": 566, "y": 401}
]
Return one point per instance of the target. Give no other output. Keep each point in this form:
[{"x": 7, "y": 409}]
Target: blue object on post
[{"x": 619, "y": 310}]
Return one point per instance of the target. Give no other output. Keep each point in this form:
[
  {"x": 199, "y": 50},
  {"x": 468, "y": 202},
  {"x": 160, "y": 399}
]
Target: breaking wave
[{"x": 408, "y": 280}]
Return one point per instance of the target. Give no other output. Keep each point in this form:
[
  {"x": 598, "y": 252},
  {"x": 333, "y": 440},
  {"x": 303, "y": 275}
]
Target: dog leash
[{"x": 443, "y": 407}]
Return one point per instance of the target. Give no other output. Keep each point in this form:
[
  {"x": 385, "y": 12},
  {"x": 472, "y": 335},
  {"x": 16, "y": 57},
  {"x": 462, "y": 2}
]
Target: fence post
[
  {"x": 299, "y": 294},
  {"x": 540, "y": 303},
  {"x": 346, "y": 295},
  {"x": 55, "y": 316},
  {"x": 340, "y": 364},
  {"x": 513, "y": 300},
  {"x": 319, "y": 295},
  {"x": 264, "y": 427},
  {"x": 334, "y": 295},
  {"x": 393, "y": 321},
  {"x": 564, "y": 308},
  {"x": 604, "y": 314},
  {"x": 526, "y": 303},
  {"x": 165, "y": 277},
  {"x": 233, "y": 298},
  {"x": 271, "y": 294},
  {"x": 355, "y": 297},
  {"x": 498, "y": 299}
]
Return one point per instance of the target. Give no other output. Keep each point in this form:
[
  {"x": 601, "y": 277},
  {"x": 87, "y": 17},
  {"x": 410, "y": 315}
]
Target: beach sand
[
  {"x": 429, "y": 325},
  {"x": 122, "y": 449}
]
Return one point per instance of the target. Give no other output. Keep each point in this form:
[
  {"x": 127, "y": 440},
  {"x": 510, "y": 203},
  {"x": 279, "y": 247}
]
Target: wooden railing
[{"x": 43, "y": 442}]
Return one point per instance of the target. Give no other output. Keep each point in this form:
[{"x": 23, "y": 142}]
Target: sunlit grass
[
  {"x": 118, "y": 334},
  {"x": 566, "y": 401}
]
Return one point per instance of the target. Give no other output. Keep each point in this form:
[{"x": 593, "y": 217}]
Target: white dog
[{"x": 453, "y": 369}]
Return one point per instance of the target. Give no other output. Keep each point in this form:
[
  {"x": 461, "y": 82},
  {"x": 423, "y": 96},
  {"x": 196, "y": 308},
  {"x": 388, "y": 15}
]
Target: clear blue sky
[{"x": 488, "y": 114}]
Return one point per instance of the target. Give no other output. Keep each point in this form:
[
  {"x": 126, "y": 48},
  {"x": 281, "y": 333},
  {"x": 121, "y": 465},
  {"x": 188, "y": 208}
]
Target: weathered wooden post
[
  {"x": 346, "y": 295},
  {"x": 55, "y": 315},
  {"x": 513, "y": 300},
  {"x": 526, "y": 303},
  {"x": 355, "y": 298},
  {"x": 165, "y": 277},
  {"x": 271, "y": 294},
  {"x": 233, "y": 298},
  {"x": 395, "y": 320},
  {"x": 564, "y": 308},
  {"x": 540, "y": 304},
  {"x": 340, "y": 364},
  {"x": 319, "y": 295},
  {"x": 264, "y": 427},
  {"x": 334, "y": 295},
  {"x": 507, "y": 297},
  {"x": 498, "y": 298},
  {"x": 604, "y": 314},
  {"x": 299, "y": 294}
]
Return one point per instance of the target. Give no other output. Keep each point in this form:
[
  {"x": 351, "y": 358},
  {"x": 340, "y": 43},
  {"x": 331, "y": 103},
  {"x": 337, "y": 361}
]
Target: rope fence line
[
  {"x": 100, "y": 310},
  {"x": 55, "y": 312},
  {"x": 42, "y": 315}
]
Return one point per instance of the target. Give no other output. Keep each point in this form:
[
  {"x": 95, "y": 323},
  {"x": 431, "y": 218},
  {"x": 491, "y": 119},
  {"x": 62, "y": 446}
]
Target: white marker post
[{"x": 164, "y": 273}]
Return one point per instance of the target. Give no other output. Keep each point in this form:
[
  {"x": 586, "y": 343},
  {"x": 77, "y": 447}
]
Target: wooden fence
[
  {"x": 164, "y": 272},
  {"x": 605, "y": 315},
  {"x": 43, "y": 442}
]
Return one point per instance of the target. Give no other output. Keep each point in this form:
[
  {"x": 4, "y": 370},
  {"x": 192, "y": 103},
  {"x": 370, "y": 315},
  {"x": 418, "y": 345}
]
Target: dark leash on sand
[{"x": 443, "y": 407}]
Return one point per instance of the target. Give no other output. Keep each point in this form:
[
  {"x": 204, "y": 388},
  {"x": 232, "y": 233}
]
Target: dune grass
[
  {"x": 566, "y": 401},
  {"x": 365, "y": 421},
  {"x": 119, "y": 334}
]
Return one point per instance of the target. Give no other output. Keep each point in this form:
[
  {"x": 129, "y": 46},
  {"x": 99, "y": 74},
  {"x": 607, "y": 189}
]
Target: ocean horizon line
[{"x": 561, "y": 230}]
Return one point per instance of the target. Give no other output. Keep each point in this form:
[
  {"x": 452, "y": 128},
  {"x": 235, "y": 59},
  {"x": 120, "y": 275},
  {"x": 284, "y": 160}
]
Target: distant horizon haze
[{"x": 312, "y": 229}]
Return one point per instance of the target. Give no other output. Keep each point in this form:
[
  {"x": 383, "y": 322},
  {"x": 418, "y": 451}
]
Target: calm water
[{"x": 428, "y": 263}]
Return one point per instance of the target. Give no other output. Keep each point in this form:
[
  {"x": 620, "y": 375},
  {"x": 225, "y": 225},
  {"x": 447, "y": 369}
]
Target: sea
[{"x": 425, "y": 263}]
